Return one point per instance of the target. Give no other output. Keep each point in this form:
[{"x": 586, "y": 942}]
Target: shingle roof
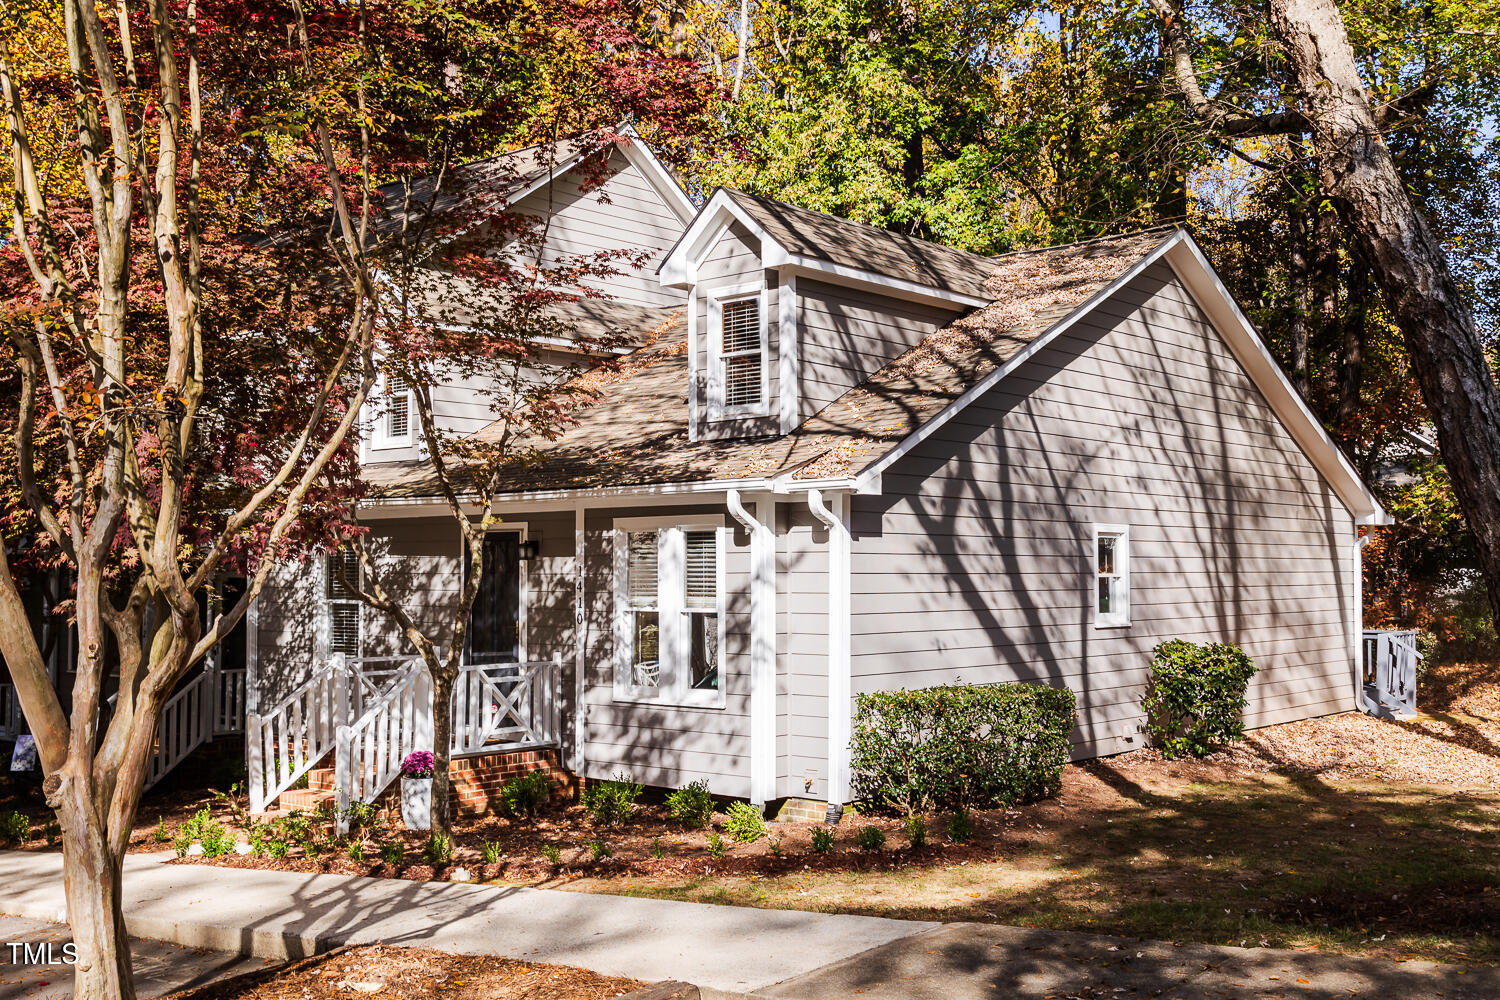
[
  {"x": 868, "y": 248},
  {"x": 635, "y": 431}
]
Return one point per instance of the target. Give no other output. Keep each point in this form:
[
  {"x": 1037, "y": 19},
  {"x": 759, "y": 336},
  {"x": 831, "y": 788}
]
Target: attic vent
[{"x": 742, "y": 352}]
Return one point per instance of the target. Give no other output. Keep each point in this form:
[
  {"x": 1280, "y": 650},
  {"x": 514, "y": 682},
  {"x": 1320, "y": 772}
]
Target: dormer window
[
  {"x": 393, "y": 413},
  {"x": 738, "y": 384}
]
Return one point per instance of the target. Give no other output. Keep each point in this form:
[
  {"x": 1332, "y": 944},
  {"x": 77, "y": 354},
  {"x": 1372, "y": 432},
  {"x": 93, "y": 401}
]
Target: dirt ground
[{"x": 413, "y": 974}]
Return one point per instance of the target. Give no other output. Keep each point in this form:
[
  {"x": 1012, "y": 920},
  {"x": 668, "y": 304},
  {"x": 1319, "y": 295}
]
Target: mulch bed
[{"x": 413, "y": 974}]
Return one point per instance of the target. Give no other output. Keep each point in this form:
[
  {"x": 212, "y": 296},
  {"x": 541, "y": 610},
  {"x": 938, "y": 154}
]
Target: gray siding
[
  {"x": 734, "y": 262},
  {"x": 801, "y": 653},
  {"x": 975, "y": 566},
  {"x": 845, "y": 336}
]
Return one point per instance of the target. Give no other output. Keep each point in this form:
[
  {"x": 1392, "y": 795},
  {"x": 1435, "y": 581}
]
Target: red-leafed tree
[{"x": 192, "y": 320}]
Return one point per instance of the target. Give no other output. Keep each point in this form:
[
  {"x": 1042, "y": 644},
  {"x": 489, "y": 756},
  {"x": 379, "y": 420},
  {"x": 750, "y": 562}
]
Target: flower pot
[{"x": 416, "y": 803}]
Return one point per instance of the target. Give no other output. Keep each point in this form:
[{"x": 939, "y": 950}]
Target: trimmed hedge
[
  {"x": 1195, "y": 697},
  {"x": 961, "y": 746}
]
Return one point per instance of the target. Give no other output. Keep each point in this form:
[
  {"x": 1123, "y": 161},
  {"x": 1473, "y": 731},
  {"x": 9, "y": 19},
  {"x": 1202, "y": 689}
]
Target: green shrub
[
  {"x": 958, "y": 746},
  {"x": 715, "y": 846},
  {"x": 744, "y": 823},
  {"x": 774, "y": 845},
  {"x": 525, "y": 795},
  {"x": 600, "y": 850},
  {"x": 610, "y": 803},
  {"x": 161, "y": 835},
  {"x": 916, "y": 831},
  {"x": 277, "y": 848},
  {"x": 14, "y": 827},
  {"x": 491, "y": 852},
  {"x": 181, "y": 842},
  {"x": 870, "y": 838},
  {"x": 356, "y": 851},
  {"x": 1195, "y": 696},
  {"x": 360, "y": 815},
  {"x": 552, "y": 853},
  {"x": 960, "y": 827},
  {"x": 822, "y": 839},
  {"x": 439, "y": 849},
  {"x": 393, "y": 853},
  {"x": 692, "y": 805}
]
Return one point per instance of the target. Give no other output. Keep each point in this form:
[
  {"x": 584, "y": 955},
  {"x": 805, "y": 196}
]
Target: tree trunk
[
  {"x": 1300, "y": 279},
  {"x": 1409, "y": 263},
  {"x": 91, "y": 881},
  {"x": 1352, "y": 358},
  {"x": 442, "y": 746}
]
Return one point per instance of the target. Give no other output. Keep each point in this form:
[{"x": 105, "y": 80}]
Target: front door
[{"x": 495, "y": 619}]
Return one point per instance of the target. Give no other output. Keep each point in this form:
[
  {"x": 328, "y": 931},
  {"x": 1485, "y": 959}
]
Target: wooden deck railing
[{"x": 1388, "y": 685}]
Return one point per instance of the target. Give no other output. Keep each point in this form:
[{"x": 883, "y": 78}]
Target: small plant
[
  {"x": 552, "y": 853},
  {"x": 744, "y": 823},
  {"x": 491, "y": 852},
  {"x": 181, "y": 842},
  {"x": 656, "y": 850},
  {"x": 822, "y": 840},
  {"x": 1195, "y": 697},
  {"x": 600, "y": 850},
  {"x": 277, "y": 848},
  {"x": 916, "y": 831},
  {"x": 161, "y": 834},
  {"x": 692, "y": 805},
  {"x": 312, "y": 846},
  {"x": 610, "y": 803},
  {"x": 439, "y": 849},
  {"x": 418, "y": 764},
  {"x": 14, "y": 827},
  {"x": 715, "y": 846},
  {"x": 960, "y": 827},
  {"x": 260, "y": 837},
  {"x": 393, "y": 853},
  {"x": 870, "y": 838},
  {"x": 356, "y": 851},
  {"x": 525, "y": 795},
  {"x": 360, "y": 816},
  {"x": 774, "y": 844}
]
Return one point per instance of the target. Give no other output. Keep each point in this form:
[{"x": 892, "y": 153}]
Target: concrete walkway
[{"x": 771, "y": 953}]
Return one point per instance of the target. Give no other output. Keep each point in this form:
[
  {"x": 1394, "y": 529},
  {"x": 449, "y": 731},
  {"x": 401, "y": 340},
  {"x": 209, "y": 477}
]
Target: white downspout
[
  {"x": 1357, "y": 616},
  {"x": 839, "y": 708},
  {"x": 762, "y": 645}
]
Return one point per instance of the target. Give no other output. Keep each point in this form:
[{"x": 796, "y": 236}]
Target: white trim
[
  {"x": 657, "y": 175},
  {"x": 884, "y": 284},
  {"x": 523, "y": 588},
  {"x": 580, "y": 639},
  {"x": 645, "y": 495},
  {"x": 380, "y": 440},
  {"x": 252, "y": 652},
  {"x": 840, "y": 708},
  {"x": 692, "y": 361},
  {"x": 789, "y": 375},
  {"x": 717, "y": 298},
  {"x": 762, "y": 529},
  {"x": 1117, "y": 618},
  {"x": 1197, "y": 275},
  {"x": 1357, "y": 615},
  {"x": 672, "y": 686}
]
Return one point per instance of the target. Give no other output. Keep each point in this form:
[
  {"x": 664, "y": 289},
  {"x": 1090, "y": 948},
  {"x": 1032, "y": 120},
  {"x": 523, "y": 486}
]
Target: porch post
[
  {"x": 580, "y": 640},
  {"x": 762, "y": 643},
  {"x": 840, "y": 721}
]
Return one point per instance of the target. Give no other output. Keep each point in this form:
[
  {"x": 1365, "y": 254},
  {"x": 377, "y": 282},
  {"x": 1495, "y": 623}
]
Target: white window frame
[
  {"x": 1120, "y": 592},
  {"x": 330, "y": 602},
  {"x": 380, "y": 413},
  {"x": 716, "y": 299},
  {"x": 674, "y": 686}
]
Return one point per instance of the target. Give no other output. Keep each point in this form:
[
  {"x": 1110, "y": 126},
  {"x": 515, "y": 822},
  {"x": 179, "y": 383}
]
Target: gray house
[{"x": 842, "y": 460}]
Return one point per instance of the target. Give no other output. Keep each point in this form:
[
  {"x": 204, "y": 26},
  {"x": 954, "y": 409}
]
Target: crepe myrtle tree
[
  {"x": 185, "y": 365},
  {"x": 1305, "y": 86}
]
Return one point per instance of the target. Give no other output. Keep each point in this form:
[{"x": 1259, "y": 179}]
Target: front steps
[{"x": 318, "y": 793}]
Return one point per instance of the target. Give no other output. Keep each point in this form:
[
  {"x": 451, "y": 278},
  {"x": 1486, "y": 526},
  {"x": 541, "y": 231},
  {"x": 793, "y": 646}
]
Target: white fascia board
[
  {"x": 1198, "y": 276},
  {"x": 658, "y": 176},
  {"x": 658, "y": 492},
  {"x": 680, "y": 268},
  {"x": 872, "y": 281},
  {"x": 872, "y": 472}
]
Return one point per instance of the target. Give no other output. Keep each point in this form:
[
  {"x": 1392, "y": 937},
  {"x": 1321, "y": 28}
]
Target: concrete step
[{"x": 306, "y": 799}]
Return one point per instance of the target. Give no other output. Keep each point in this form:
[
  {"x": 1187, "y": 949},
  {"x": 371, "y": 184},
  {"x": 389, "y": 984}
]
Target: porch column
[
  {"x": 840, "y": 722},
  {"x": 580, "y": 638},
  {"x": 762, "y": 529}
]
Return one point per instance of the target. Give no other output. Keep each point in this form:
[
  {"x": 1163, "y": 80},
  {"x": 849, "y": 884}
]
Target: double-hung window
[
  {"x": 738, "y": 336},
  {"x": 669, "y": 600},
  {"x": 393, "y": 413},
  {"x": 343, "y": 603},
  {"x": 1111, "y": 578}
]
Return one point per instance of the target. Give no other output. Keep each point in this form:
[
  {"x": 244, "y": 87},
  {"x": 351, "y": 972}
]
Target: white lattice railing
[
  {"x": 511, "y": 703},
  {"x": 1389, "y": 672},
  {"x": 12, "y": 722}
]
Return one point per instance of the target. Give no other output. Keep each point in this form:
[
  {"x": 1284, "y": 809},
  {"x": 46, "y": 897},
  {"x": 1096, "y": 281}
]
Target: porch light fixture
[{"x": 530, "y": 549}]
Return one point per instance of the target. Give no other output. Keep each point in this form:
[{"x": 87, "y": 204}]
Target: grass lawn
[{"x": 1185, "y": 852}]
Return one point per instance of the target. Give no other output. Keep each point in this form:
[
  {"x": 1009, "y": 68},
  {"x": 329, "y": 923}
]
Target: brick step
[
  {"x": 305, "y": 799},
  {"x": 320, "y": 779}
]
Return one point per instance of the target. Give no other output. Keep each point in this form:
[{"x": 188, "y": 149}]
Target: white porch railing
[
  {"x": 370, "y": 751},
  {"x": 1388, "y": 681},
  {"x": 229, "y": 702},
  {"x": 185, "y": 724},
  {"x": 283, "y": 744},
  {"x": 12, "y": 722}
]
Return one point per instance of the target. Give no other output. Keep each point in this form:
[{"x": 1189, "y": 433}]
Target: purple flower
[{"x": 418, "y": 764}]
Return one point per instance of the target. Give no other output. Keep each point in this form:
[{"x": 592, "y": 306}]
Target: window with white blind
[
  {"x": 1110, "y": 585},
  {"x": 393, "y": 418},
  {"x": 669, "y": 604},
  {"x": 343, "y": 604},
  {"x": 738, "y": 345}
]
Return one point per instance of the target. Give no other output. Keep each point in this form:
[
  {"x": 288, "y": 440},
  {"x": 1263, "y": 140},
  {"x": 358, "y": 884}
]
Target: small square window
[{"x": 1111, "y": 577}]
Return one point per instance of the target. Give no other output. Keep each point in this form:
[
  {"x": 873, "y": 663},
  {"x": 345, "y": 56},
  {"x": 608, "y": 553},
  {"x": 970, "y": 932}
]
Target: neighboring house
[{"x": 847, "y": 460}]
